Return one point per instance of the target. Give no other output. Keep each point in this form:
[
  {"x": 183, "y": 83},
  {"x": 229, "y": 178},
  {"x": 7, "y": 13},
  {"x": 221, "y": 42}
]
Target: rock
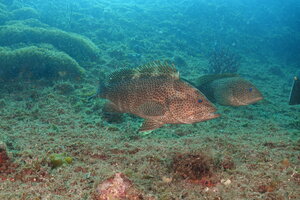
[
  {"x": 24, "y": 13},
  {"x": 226, "y": 182},
  {"x": 34, "y": 63},
  {"x": 76, "y": 46},
  {"x": 117, "y": 187}
]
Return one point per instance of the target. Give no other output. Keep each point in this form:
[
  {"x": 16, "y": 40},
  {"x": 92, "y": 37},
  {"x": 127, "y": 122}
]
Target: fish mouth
[
  {"x": 210, "y": 116},
  {"x": 258, "y": 99},
  {"x": 200, "y": 118},
  {"x": 214, "y": 115},
  {"x": 255, "y": 100}
]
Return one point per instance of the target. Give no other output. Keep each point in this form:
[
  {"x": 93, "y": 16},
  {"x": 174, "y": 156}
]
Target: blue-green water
[{"x": 56, "y": 143}]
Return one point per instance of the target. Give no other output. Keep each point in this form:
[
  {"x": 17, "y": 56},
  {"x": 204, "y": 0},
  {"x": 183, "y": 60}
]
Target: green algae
[
  {"x": 58, "y": 160},
  {"x": 77, "y": 46},
  {"x": 35, "y": 63}
]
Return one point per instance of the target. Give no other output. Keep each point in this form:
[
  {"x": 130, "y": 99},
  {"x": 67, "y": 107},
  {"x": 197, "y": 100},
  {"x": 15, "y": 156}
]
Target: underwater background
[{"x": 56, "y": 143}]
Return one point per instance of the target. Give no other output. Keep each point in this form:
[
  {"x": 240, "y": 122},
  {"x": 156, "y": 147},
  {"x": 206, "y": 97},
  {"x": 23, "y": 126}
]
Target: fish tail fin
[{"x": 100, "y": 90}]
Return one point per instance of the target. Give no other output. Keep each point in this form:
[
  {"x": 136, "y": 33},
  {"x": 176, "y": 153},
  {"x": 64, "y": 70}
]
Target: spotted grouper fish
[
  {"x": 156, "y": 93},
  {"x": 228, "y": 89}
]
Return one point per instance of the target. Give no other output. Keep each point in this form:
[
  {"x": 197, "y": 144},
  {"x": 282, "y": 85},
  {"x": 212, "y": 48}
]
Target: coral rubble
[{"x": 118, "y": 187}]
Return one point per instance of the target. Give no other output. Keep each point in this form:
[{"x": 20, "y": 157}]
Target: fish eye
[
  {"x": 200, "y": 100},
  {"x": 250, "y": 89}
]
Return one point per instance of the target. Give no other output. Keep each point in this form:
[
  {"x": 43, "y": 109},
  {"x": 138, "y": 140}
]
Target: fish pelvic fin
[
  {"x": 111, "y": 107},
  {"x": 149, "y": 125}
]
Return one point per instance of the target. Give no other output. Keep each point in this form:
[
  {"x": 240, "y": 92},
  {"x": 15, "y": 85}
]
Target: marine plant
[
  {"x": 64, "y": 88},
  {"x": 294, "y": 125},
  {"x": 35, "y": 63},
  {"x": 78, "y": 47},
  {"x": 24, "y": 13},
  {"x": 222, "y": 60},
  {"x": 57, "y": 160}
]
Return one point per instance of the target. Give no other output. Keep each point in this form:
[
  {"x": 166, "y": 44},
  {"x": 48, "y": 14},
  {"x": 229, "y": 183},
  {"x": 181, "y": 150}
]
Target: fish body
[
  {"x": 229, "y": 90},
  {"x": 156, "y": 93}
]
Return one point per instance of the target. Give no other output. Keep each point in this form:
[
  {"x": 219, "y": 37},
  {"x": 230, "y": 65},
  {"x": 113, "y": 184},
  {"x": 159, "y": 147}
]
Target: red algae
[
  {"x": 3, "y": 153},
  {"x": 193, "y": 166},
  {"x": 6, "y": 166}
]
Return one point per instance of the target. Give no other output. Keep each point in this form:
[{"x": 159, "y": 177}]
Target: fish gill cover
[{"x": 55, "y": 143}]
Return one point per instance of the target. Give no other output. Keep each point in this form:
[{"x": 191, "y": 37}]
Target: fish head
[
  {"x": 244, "y": 93},
  {"x": 191, "y": 106}
]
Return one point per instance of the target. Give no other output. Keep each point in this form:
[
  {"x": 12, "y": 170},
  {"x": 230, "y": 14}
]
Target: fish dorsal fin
[
  {"x": 153, "y": 69},
  {"x": 120, "y": 75},
  {"x": 157, "y": 68},
  {"x": 206, "y": 79}
]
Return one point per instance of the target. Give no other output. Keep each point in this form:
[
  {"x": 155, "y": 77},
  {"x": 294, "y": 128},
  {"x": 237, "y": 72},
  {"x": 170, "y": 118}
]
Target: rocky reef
[
  {"x": 77, "y": 46},
  {"x": 34, "y": 62},
  {"x": 31, "y": 49}
]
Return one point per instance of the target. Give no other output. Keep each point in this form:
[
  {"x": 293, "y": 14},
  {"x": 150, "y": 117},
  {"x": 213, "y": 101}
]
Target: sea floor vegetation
[{"x": 56, "y": 144}]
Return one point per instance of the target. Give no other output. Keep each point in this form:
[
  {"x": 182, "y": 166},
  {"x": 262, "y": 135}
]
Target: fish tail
[{"x": 100, "y": 90}]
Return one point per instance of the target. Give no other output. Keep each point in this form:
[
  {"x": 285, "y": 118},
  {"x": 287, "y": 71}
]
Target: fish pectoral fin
[
  {"x": 152, "y": 108},
  {"x": 111, "y": 107},
  {"x": 150, "y": 125}
]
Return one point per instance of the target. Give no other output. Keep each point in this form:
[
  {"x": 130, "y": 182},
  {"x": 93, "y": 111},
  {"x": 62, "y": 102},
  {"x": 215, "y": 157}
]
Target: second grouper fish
[
  {"x": 228, "y": 89},
  {"x": 156, "y": 93}
]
